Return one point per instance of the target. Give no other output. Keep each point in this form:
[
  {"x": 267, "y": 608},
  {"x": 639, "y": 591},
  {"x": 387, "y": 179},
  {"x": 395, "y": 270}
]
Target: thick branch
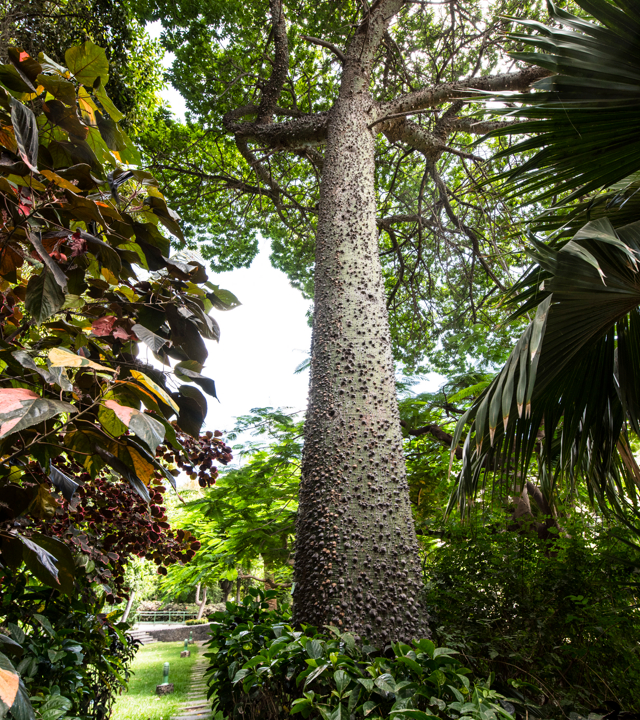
[
  {"x": 477, "y": 127},
  {"x": 307, "y": 131},
  {"x": 419, "y": 138},
  {"x": 434, "y": 96},
  {"x": 364, "y": 45},
  {"x": 436, "y": 431},
  {"x": 273, "y": 88},
  {"x": 323, "y": 43}
]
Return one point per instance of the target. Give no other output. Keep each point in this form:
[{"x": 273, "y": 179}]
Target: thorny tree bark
[{"x": 356, "y": 563}]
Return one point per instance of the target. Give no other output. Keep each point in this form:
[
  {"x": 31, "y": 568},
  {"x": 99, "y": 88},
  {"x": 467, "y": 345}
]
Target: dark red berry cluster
[
  {"x": 109, "y": 523},
  {"x": 200, "y": 456}
]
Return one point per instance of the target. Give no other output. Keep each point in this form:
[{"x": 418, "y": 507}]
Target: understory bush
[
  {"x": 73, "y": 659},
  {"x": 261, "y": 667},
  {"x": 556, "y": 622}
]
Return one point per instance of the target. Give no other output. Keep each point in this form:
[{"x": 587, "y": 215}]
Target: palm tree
[{"x": 569, "y": 393}]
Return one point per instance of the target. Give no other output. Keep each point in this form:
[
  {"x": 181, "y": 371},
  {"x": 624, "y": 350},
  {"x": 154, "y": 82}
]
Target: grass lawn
[{"x": 140, "y": 702}]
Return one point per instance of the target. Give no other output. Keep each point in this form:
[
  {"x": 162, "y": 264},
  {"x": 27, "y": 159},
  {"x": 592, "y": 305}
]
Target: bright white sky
[{"x": 264, "y": 340}]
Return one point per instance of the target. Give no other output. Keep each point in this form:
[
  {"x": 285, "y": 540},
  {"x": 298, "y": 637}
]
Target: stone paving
[{"x": 197, "y": 706}]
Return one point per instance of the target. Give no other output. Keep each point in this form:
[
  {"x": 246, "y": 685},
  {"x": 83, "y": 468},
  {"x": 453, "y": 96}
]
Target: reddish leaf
[
  {"x": 103, "y": 326},
  {"x": 11, "y": 398},
  {"x": 120, "y": 333},
  {"x": 9, "y": 684}
]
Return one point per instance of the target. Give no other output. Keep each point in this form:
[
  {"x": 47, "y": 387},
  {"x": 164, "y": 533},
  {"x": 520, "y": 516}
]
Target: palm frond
[
  {"x": 571, "y": 383},
  {"x": 582, "y": 121}
]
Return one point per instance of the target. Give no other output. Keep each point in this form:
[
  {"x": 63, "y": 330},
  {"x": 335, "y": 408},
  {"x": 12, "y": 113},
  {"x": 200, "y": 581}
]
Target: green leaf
[
  {"x": 59, "y": 87},
  {"x": 386, "y": 682},
  {"x": 87, "y": 63},
  {"x": 44, "y": 296},
  {"x": 314, "y": 649},
  {"x": 106, "y": 103},
  {"x": 186, "y": 371},
  {"x": 151, "y": 340},
  {"x": 148, "y": 429},
  {"x": 25, "y": 129},
  {"x": 342, "y": 680}
]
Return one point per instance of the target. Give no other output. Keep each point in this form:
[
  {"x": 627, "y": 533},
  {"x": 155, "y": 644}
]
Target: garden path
[{"x": 197, "y": 706}]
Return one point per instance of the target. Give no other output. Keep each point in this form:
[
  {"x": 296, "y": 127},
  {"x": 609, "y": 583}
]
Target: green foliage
[
  {"x": 249, "y": 515},
  {"x": 195, "y": 621},
  {"x": 76, "y": 221},
  {"x": 556, "y": 621},
  {"x": 261, "y": 667},
  {"x": 440, "y": 297},
  {"x": 79, "y": 226},
  {"x": 53, "y": 26},
  {"x": 72, "y": 659}
]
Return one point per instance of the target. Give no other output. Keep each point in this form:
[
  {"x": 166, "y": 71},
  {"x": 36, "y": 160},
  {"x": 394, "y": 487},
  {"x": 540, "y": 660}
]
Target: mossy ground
[{"x": 140, "y": 702}]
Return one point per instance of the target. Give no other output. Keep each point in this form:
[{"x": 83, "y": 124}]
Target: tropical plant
[
  {"x": 568, "y": 394},
  {"x": 72, "y": 659},
  {"x": 261, "y": 667},
  {"x": 53, "y": 26},
  {"x": 302, "y": 126},
  {"x": 248, "y": 517},
  {"x": 555, "y": 621},
  {"x": 79, "y": 229}
]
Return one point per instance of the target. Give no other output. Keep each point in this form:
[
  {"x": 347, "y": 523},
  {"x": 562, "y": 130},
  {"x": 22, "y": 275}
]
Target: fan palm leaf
[
  {"x": 571, "y": 387},
  {"x": 583, "y": 120},
  {"x": 570, "y": 390}
]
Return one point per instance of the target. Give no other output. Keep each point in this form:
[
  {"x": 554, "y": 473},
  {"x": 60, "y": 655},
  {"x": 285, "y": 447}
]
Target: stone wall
[{"x": 179, "y": 633}]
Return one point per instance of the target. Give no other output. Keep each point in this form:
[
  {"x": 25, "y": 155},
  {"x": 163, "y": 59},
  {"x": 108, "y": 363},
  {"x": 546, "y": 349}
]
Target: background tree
[
  {"x": 53, "y": 27},
  {"x": 246, "y": 522}
]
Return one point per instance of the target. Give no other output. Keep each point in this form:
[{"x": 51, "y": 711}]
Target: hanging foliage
[{"x": 88, "y": 287}]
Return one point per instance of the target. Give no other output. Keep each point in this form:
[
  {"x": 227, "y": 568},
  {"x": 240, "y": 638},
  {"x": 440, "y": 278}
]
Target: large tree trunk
[{"x": 356, "y": 561}]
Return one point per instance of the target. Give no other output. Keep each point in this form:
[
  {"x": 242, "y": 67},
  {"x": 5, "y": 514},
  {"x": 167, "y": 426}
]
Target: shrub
[
  {"x": 558, "y": 622},
  {"x": 261, "y": 667},
  {"x": 201, "y": 621},
  {"x": 73, "y": 659}
]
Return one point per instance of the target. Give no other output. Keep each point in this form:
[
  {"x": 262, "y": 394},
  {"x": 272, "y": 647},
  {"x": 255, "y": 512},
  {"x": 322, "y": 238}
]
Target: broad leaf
[
  {"x": 144, "y": 426},
  {"x": 59, "y": 357},
  {"x": 87, "y": 63},
  {"x": 44, "y": 296},
  {"x": 25, "y": 129},
  {"x": 155, "y": 388},
  {"x": 21, "y": 408}
]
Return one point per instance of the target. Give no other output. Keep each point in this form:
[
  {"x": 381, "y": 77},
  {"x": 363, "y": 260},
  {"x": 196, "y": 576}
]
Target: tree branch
[
  {"x": 323, "y": 43},
  {"x": 306, "y": 131},
  {"x": 273, "y": 89},
  {"x": 436, "y": 431},
  {"x": 434, "y": 96}
]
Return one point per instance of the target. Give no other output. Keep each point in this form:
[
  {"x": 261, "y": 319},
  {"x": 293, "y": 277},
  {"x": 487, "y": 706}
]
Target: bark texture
[{"x": 356, "y": 562}]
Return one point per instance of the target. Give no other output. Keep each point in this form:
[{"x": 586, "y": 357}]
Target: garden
[{"x": 451, "y": 528}]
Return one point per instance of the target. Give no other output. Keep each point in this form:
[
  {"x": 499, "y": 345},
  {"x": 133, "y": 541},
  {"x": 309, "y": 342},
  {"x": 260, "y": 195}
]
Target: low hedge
[
  {"x": 262, "y": 668},
  {"x": 201, "y": 621}
]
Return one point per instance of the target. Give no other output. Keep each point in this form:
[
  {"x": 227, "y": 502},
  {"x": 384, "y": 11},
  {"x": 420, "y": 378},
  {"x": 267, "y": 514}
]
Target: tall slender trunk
[
  {"x": 200, "y": 603},
  {"x": 356, "y": 561},
  {"x": 127, "y": 610}
]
